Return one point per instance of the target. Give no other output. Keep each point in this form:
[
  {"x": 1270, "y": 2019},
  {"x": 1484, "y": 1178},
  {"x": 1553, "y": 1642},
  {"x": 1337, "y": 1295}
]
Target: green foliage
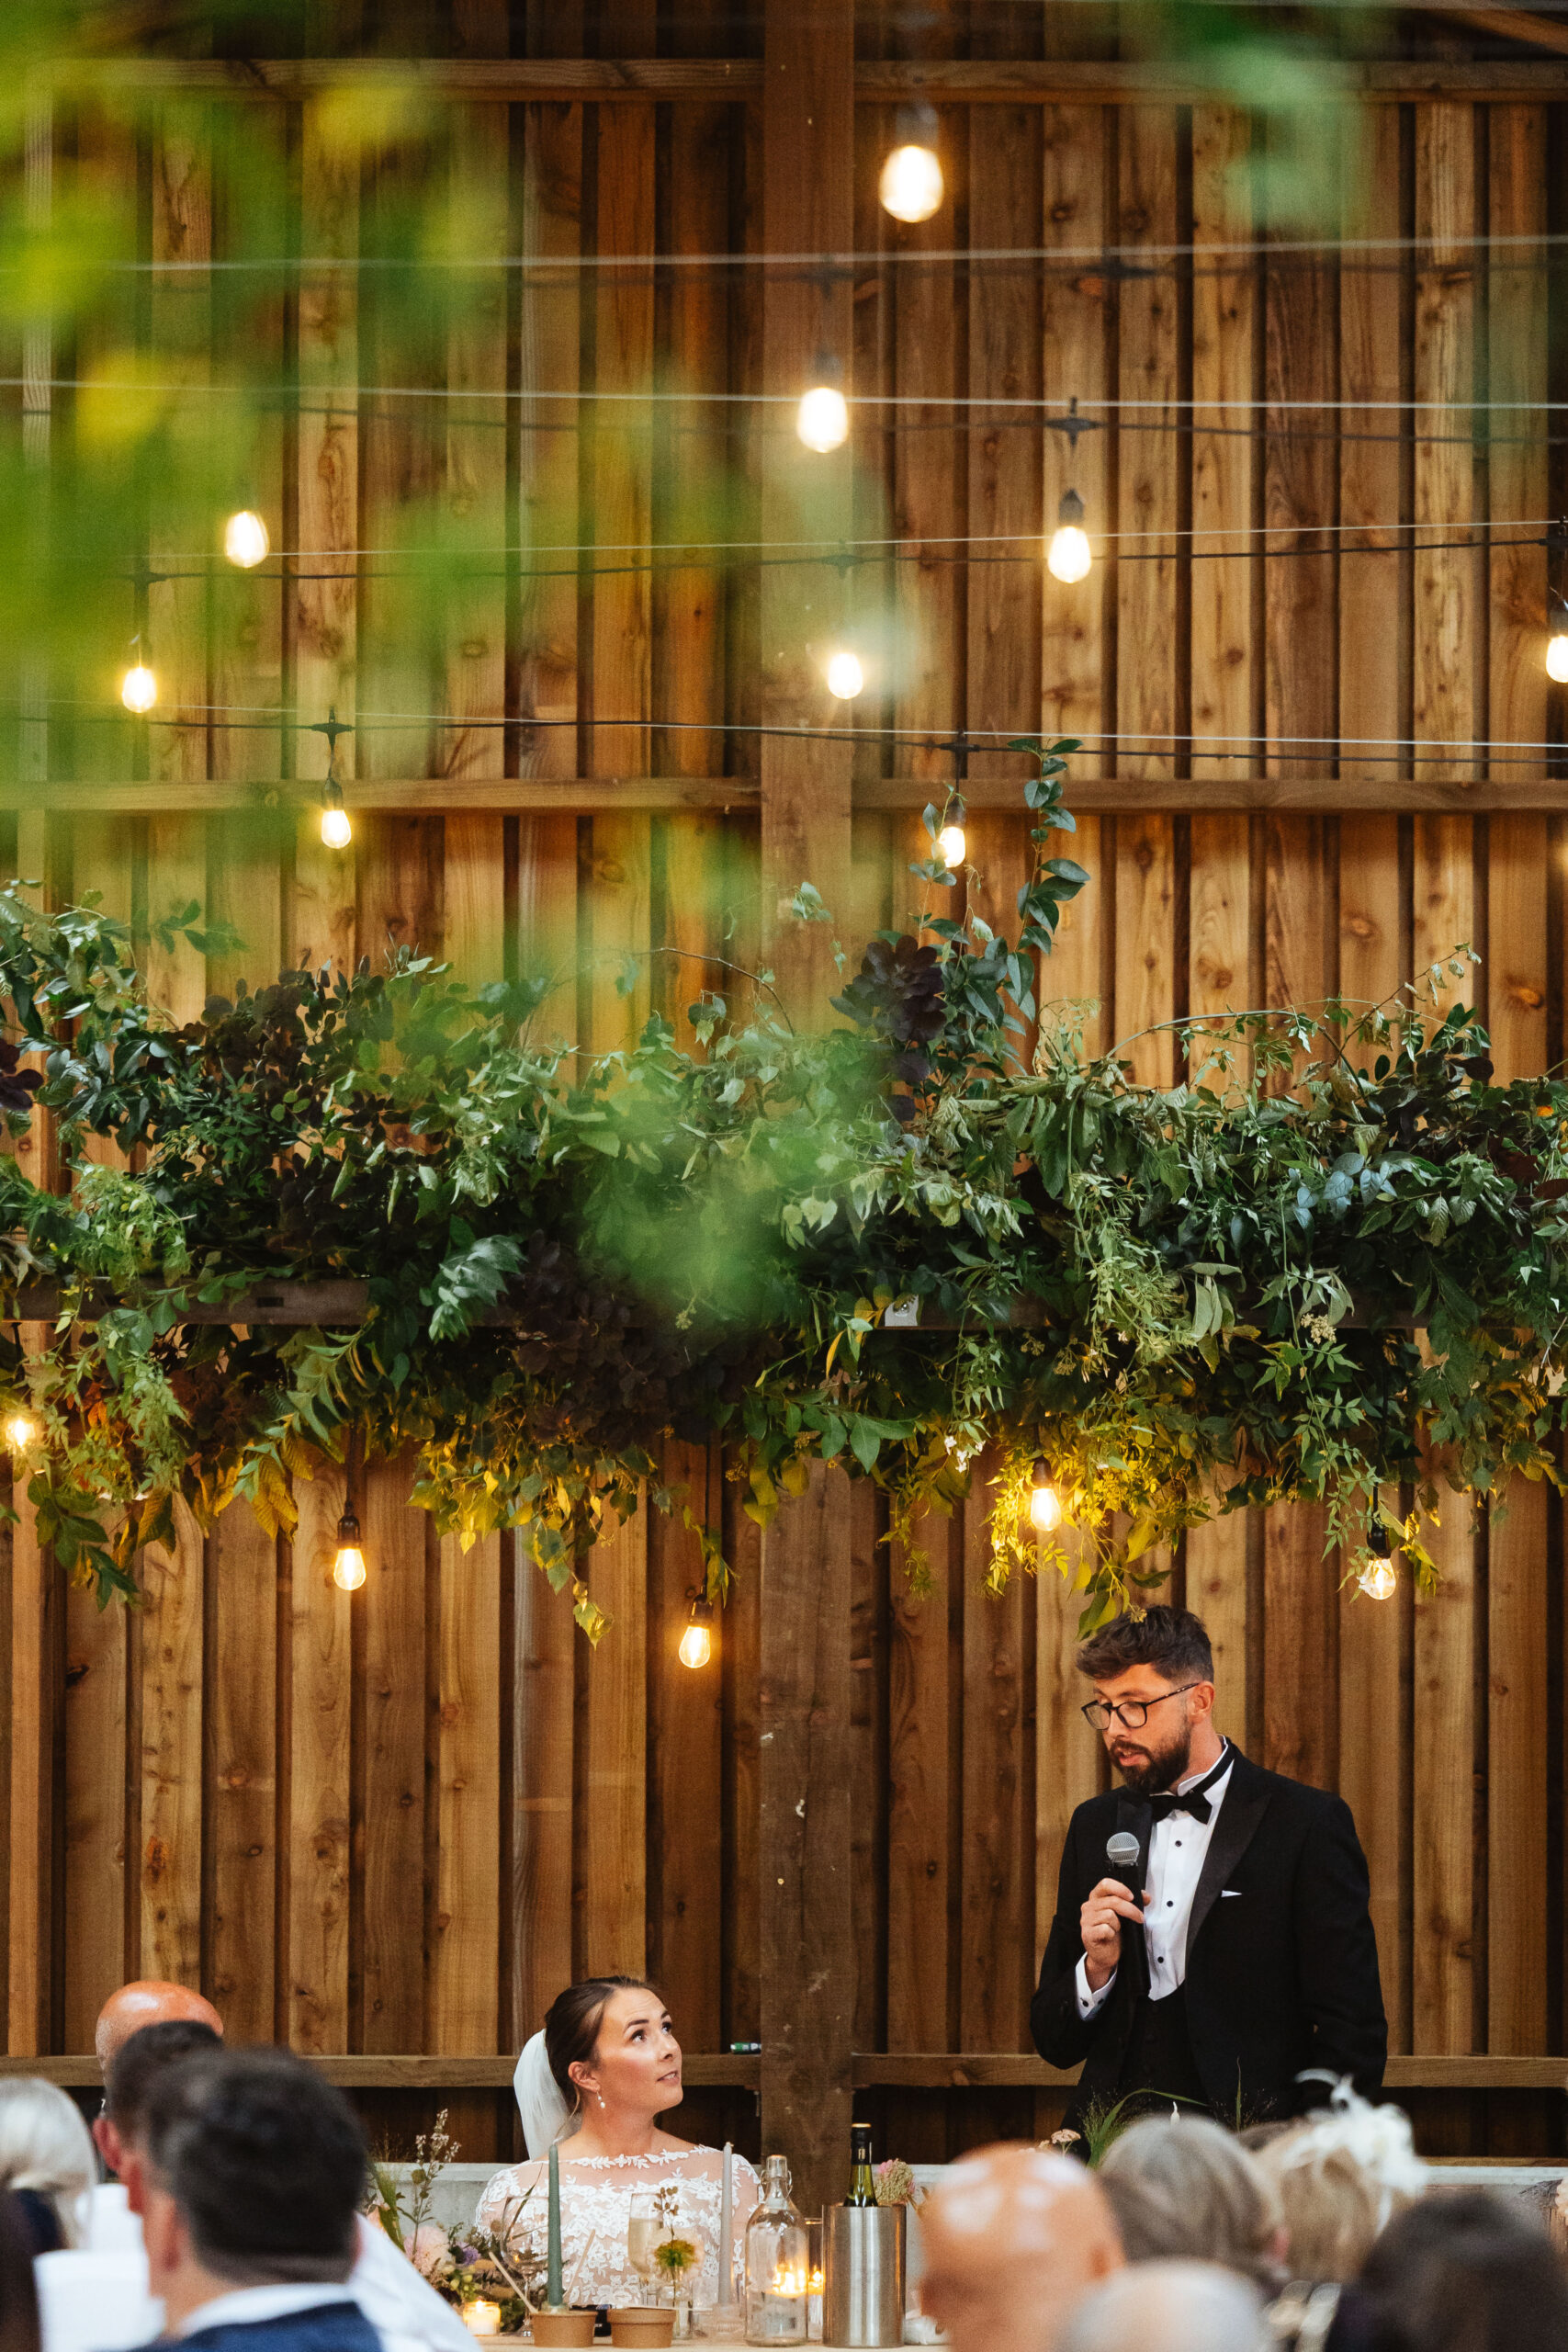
[{"x": 1183, "y": 1300}]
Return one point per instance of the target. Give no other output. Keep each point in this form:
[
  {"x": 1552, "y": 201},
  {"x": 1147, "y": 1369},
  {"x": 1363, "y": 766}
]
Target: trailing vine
[{"x": 1331, "y": 1265}]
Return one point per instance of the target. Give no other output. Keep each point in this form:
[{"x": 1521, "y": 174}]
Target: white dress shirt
[
  {"x": 95, "y": 2299},
  {"x": 1177, "y": 1850}
]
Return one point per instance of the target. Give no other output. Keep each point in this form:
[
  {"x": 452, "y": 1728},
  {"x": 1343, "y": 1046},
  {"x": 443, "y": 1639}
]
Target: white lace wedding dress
[{"x": 596, "y": 2195}]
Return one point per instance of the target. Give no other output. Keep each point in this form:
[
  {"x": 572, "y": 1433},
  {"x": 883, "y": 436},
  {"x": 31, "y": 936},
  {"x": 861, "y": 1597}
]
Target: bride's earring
[{"x": 601, "y": 2098}]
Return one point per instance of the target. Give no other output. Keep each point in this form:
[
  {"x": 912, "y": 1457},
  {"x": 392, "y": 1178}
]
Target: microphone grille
[{"x": 1122, "y": 1849}]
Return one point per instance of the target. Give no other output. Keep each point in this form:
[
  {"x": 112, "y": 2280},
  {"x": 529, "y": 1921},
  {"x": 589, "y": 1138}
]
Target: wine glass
[{"x": 646, "y": 2227}]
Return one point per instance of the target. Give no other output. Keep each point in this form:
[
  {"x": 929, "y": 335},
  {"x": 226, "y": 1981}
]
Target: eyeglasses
[{"x": 1132, "y": 1713}]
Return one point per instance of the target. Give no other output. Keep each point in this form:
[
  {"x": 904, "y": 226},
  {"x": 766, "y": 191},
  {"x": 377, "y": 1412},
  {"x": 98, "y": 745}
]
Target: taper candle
[
  {"x": 726, "y": 2235},
  {"x": 552, "y": 2283}
]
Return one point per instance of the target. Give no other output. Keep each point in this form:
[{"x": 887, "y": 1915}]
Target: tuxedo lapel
[{"x": 1246, "y": 1802}]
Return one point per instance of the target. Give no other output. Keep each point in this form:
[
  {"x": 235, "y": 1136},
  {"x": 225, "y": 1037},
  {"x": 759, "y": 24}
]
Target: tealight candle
[{"x": 481, "y": 2318}]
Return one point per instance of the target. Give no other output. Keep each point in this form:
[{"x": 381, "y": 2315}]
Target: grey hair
[
  {"x": 1168, "y": 2307},
  {"x": 1186, "y": 2189},
  {"x": 45, "y": 2146}
]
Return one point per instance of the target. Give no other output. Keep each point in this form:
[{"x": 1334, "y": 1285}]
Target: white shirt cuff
[{"x": 1089, "y": 2001}]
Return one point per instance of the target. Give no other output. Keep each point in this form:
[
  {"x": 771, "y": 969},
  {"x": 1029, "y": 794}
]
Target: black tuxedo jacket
[{"x": 1281, "y": 1961}]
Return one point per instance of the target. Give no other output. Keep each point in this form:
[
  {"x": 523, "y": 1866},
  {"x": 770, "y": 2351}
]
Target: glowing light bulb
[
  {"x": 1557, "y": 657},
  {"x": 336, "y": 831},
  {"x": 1044, "y": 1503},
  {"x": 348, "y": 1568},
  {"x": 1068, "y": 557},
  {"x": 696, "y": 1641},
  {"x": 245, "y": 540},
  {"x": 910, "y": 187},
  {"x": 822, "y": 419},
  {"x": 845, "y": 676},
  {"x": 20, "y": 1433},
  {"x": 1379, "y": 1581},
  {"x": 952, "y": 846},
  {"x": 139, "y": 689}
]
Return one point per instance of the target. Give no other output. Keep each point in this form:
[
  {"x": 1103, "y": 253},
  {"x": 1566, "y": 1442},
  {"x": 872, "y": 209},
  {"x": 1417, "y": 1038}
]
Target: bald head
[
  {"x": 1012, "y": 2236},
  {"x": 147, "y": 2002},
  {"x": 1168, "y": 2307}
]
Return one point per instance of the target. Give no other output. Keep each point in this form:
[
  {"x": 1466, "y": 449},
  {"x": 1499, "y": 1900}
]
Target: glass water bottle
[{"x": 776, "y": 2264}]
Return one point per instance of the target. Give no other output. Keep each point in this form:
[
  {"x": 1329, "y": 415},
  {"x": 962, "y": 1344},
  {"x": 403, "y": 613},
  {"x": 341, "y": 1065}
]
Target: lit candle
[
  {"x": 725, "y": 2236},
  {"x": 482, "y": 2318},
  {"x": 552, "y": 2295}
]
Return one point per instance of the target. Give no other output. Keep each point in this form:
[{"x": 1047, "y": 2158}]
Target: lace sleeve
[{"x": 499, "y": 2207}]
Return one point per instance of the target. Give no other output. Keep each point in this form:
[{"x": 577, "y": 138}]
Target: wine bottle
[{"x": 863, "y": 2187}]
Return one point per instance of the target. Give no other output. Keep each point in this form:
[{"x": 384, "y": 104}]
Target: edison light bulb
[
  {"x": 1557, "y": 657},
  {"x": 245, "y": 540},
  {"x": 139, "y": 689},
  {"x": 1045, "y": 1507},
  {"x": 910, "y": 187},
  {"x": 336, "y": 831},
  {"x": 952, "y": 847},
  {"x": 845, "y": 676},
  {"x": 1379, "y": 1581},
  {"x": 822, "y": 419},
  {"x": 696, "y": 1641},
  {"x": 348, "y": 1568},
  {"x": 20, "y": 1433},
  {"x": 696, "y": 1646},
  {"x": 1067, "y": 556}
]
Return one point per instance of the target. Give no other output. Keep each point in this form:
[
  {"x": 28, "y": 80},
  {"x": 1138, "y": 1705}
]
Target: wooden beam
[
  {"x": 809, "y": 165},
  {"x": 807, "y": 1942},
  {"x": 1004, "y": 2070},
  {"x": 587, "y": 795},
  {"x": 883, "y": 81},
  {"x": 1509, "y": 24},
  {"x": 702, "y": 2070}
]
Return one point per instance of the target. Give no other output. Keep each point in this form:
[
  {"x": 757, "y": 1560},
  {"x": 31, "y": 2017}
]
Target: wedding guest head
[
  {"x": 1012, "y": 2237},
  {"x": 1185, "y": 2188},
  {"x": 132, "y": 2074},
  {"x": 611, "y": 2052},
  {"x": 147, "y": 2002},
  {"x": 1466, "y": 2271},
  {"x": 253, "y": 2173},
  {"x": 1342, "y": 2177},
  {"x": 46, "y": 2160},
  {"x": 1168, "y": 2307},
  {"x": 19, "y": 2293}
]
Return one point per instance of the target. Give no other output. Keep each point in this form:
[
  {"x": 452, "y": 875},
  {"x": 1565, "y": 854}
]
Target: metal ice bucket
[{"x": 863, "y": 2275}]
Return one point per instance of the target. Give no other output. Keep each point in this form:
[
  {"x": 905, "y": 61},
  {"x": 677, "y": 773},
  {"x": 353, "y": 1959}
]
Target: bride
[{"x": 598, "y": 2078}]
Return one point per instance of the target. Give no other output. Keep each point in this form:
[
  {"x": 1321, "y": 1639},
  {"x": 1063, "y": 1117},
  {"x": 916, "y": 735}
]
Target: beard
[{"x": 1158, "y": 1768}]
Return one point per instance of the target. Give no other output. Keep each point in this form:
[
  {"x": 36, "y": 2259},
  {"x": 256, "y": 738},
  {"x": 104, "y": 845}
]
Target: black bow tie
[{"x": 1194, "y": 1801}]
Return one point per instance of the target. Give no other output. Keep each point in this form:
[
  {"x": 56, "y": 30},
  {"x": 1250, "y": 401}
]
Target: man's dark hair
[
  {"x": 1466, "y": 2272},
  {"x": 1170, "y": 1639},
  {"x": 139, "y": 2062},
  {"x": 266, "y": 2163}
]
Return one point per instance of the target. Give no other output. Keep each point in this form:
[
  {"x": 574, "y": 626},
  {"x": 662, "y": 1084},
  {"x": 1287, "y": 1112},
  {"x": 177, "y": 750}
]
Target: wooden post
[
  {"x": 807, "y": 207},
  {"x": 807, "y": 1945}
]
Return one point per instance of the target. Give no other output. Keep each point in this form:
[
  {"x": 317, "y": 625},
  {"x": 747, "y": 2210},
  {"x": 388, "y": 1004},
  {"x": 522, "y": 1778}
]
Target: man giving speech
[{"x": 1250, "y": 1957}]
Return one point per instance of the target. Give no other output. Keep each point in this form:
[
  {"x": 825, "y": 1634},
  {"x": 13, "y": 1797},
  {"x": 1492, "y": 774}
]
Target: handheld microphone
[{"x": 1122, "y": 1853}]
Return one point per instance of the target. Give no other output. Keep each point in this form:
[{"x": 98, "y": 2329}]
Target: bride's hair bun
[{"x": 573, "y": 2022}]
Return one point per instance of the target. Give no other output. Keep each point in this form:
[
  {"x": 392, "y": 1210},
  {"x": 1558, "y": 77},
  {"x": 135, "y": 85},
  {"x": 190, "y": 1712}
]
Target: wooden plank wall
[{"x": 240, "y": 1783}]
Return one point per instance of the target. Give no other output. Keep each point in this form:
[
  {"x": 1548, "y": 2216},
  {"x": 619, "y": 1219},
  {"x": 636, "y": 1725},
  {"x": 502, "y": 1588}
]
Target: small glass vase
[{"x": 777, "y": 2272}]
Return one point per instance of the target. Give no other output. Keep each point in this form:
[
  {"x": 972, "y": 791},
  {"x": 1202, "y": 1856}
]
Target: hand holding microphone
[{"x": 1111, "y": 1902}]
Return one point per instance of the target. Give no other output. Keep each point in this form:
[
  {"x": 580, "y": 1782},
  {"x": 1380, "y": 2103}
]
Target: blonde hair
[
  {"x": 45, "y": 2146},
  {"x": 1341, "y": 2177},
  {"x": 1185, "y": 2189}
]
